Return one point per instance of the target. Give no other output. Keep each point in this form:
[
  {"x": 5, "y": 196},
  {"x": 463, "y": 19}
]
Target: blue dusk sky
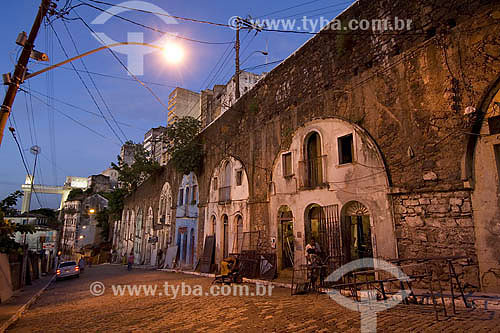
[{"x": 60, "y": 116}]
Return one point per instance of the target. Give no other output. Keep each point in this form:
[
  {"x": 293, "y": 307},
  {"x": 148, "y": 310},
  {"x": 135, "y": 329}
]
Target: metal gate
[{"x": 330, "y": 236}]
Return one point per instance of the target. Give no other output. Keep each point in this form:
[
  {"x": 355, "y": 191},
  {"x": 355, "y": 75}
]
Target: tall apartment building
[
  {"x": 218, "y": 100},
  {"x": 154, "y": 144},
  {"x": 181, "y": 103}
]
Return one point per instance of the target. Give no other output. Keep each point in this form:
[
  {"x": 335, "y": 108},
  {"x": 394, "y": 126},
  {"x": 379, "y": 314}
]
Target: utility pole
[
  {"x": 237, "y": 47},
  {"x": 20, "y": 69}
]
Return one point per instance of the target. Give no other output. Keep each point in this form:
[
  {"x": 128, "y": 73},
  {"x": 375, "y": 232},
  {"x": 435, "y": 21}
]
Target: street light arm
[{"x": 29, "y": 76}]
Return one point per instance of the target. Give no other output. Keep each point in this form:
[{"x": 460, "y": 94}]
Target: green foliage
[
  {"x": 115, "y": 203},
  {"x": 7, "y": 232},
  {"x": 131, "y": 176},
  {"x": 7, "y": 204},
  {"x": 184, "y": 146},
  {"x": 102, "y": 219}
]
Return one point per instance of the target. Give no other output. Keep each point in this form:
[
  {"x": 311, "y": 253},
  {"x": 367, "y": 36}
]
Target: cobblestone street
[{"x": 69, "y": 306}]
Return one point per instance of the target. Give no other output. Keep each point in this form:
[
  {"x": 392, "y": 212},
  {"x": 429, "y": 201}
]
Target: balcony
[
  {"x": 224, "y": 194},
  {"x": 313, "y": 172}
]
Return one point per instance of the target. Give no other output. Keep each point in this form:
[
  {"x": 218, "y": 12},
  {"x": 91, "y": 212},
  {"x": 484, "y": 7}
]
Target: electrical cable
[
  {"x": 94, "y": 84},
  {"x": 156, "y": 29},
  {"x": 85, "y": 85},
  {"x": 84, "y": 110},
  {"x": 115, "y": 77},
  {"x": 69, "y": 117},
  {"x": 12, "y": 131},
  {"x": 125, "y": 67}
]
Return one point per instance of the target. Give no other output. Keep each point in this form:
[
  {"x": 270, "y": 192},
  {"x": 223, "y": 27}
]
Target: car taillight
[
  {"x": 58, "y": 272},
  {"x": 77, "y": 268}
]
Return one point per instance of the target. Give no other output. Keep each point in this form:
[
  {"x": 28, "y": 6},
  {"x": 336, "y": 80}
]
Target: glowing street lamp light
[
  {"x": 173, "y": 53},
  {"x": 91, "y": 210}
]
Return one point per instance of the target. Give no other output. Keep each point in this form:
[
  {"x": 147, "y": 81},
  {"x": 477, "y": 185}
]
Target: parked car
[{"x": 67, "y": 269}]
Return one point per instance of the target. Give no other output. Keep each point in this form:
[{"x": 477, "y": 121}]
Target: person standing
[
  {"x": 130, "y": 261},
  {"x": 81, "y": 264}
]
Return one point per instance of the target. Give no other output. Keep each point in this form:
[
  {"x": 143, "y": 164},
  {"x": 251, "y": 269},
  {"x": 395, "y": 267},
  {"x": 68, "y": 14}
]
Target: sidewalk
[{"x": 11, "y": 310}]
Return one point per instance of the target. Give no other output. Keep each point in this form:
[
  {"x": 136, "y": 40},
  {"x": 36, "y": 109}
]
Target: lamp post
[{"x": 20, "y": 77}]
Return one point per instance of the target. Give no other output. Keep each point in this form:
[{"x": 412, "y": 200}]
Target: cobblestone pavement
[{"x": 69, "y": 306}]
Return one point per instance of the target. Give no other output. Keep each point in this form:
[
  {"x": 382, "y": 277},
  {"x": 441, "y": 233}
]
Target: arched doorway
[
  {"x": 238, "y": 237},
  {"x": 286, "y": 238},
  {"x": 138, "y": 238},
  {"x": 312, "y": 222},
  {"x": 314, "y": 165},
  {"x": 357, "y": 232},
  {"x": 225, "y": 236},
  {"x": 191, "y": 247}
]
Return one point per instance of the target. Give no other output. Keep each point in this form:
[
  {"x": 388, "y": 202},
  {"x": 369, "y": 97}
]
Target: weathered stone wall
[{"x": 433, "y": 224}]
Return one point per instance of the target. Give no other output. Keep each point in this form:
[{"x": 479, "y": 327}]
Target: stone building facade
[{"x": 420, "y": 106}]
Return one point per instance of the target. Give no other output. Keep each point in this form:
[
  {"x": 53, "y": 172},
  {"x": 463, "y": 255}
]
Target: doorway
[
  {"x": 357, "y": 229},
  {"x": 286, "y": 237}
]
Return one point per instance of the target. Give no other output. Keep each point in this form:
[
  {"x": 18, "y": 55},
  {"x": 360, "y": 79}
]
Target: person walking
[{"x": 130, "y": 261}]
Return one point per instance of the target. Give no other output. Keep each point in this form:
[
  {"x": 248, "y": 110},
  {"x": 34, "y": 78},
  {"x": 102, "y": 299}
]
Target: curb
[{"x": 15, "y": 317}]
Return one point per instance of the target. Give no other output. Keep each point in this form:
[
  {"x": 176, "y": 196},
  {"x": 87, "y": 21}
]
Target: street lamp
[
  {"x": 173, "y": 53},
  {"x": 91, "y": 210},
  {"x": 258, "y": 51}
]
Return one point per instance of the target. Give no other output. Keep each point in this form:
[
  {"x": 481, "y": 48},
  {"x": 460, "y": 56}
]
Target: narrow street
[{"x": 69, "y": 306}]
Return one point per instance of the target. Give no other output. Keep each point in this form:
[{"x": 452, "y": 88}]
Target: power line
[
  {"x": 160, "y": 14},
  {"x": 84, "y": 110},
  {"x": 286, "y": 9},
  {"x": 114, "y": 76},
  {"x": 94, "y": 84},
  {"x": 12, "y": 131},
  {"x": 158, "y": 30},
  {"x": 85, "y": 85},
  {"x": 67, "y": 116},
  {"x": 125, "y": 67}
]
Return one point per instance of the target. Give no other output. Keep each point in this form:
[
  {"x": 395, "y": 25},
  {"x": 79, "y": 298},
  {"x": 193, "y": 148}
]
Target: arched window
[
  {"x": 227, "y": 175},
  {"x": 165, "y": 207},
  {"x": 313, "y": 161},
  {"x": 238, "y": 239}
]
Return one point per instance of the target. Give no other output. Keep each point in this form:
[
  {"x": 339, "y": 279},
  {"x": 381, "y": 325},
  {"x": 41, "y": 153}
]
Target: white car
[{"x": 67, "y": 269}]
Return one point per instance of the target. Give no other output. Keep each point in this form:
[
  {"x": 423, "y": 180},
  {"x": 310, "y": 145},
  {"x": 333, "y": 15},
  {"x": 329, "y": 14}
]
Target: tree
[
  {"x": 131, "y": 176},
  {"x": 7, "y": 229},
  {"x": 184, "y": 145},
  {"x": 7, "y": 204},
  {"x": 102, "y": 219}
]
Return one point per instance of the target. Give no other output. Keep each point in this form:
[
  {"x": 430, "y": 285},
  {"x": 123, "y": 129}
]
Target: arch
[
  {"x": 482, "y": 109},
  {"x": 228, "y": 172},
  {"x": 213, "y": 225},
  {"x": 165, "y": 205},
  {"x": 311, "y": 128},
  {"x": 357, "y": 231},
  {"x": 238, "y": 234},
  {"x": 312, "y": 219},
  {"x": 138, "y": 237},
  {"x": 312, "y": 145},
  {"x": 225, "y": 236}
]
